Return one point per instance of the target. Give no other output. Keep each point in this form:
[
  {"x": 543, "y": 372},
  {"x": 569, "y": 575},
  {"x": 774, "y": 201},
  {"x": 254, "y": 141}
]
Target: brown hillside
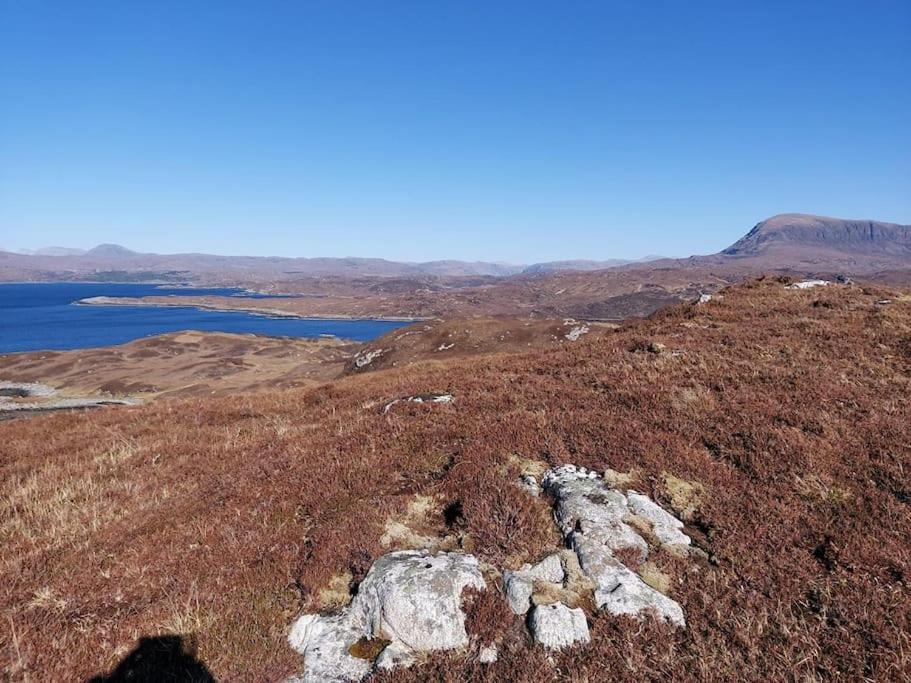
[{"x": 225, "y": 517}]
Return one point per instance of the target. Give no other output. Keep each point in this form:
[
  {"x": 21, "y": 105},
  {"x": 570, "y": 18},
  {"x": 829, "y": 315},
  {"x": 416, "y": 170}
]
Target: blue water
[{"x": 43, "y": 317}]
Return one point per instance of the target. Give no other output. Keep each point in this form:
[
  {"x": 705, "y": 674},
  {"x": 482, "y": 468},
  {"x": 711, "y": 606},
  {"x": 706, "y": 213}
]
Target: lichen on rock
[{"x": 412, "y": 599}]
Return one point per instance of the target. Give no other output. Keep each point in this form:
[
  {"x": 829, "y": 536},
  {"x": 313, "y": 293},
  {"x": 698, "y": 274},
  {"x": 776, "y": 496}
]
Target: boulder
[
  {"x": 557, "y": 626},
  {"x": 412, "y": 599}
]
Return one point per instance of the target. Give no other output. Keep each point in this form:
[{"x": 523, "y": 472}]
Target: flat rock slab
[{"x": 557, "y": 626}]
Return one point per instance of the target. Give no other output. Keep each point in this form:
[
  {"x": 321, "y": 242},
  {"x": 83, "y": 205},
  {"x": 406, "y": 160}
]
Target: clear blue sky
[{"x": 516, "y": 131}]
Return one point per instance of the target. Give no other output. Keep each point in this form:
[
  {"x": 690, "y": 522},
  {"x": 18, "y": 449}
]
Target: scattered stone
[
  {"x": 808, "y": 284},
  {"x": 364, "y": 359},
  {"x": 557, "y": 626},
  {"x": 324, "y": 642},
  {"x": 621, "y": 592},
  {"x": 445, "y": 347},
  {"x": 576, "y": 332},
  {"x": 704, "y": 299},
  {"x": 656, "y": 347},
  {"x": 420, "y": 398},
  {"x": 410, "y": 598}
]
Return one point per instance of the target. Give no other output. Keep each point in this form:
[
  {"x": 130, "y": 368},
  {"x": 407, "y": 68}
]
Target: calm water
[{"x": 42, "y": 317}]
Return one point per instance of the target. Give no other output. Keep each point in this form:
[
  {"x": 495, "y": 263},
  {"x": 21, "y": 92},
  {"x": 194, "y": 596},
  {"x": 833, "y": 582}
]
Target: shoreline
[{"x": 263, "y": 312}]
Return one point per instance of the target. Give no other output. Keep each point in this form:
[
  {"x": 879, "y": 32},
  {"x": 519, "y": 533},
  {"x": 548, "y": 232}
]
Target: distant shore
[{"x": 251, "y": 310}]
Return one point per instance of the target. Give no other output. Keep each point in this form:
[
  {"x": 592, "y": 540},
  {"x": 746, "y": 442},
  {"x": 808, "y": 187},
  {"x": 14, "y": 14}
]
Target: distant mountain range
[
  {"x": 115, "y": 258},
  {"x": 797, "y": 242}
]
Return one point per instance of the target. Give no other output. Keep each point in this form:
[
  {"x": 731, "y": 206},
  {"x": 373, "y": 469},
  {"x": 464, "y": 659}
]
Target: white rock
[
  {"x": 530, "y": 484},
  {"x": 621, "y": 591},
  {"x": 366, "y": 359},
  {"x": 488, "y": 655},
  {"x": 519, "y": 585},
  {"x": 809, "y": 284},
  {"x": 576, "y": 332},
  {"x": 590, "y": 515},
  {"x": 420, "y": 398},
  {"x": 557, "y": 626},
  {"x": 586, "y": 505},
  {"x": 667, "y": 528},
  {"x": 393, "y": 655},
  {"x": 324, "y": 643},
  {"x": 412, "y": 598},
  {"x": 704, "y": 298},
  {"x": 518, "y": 591}
]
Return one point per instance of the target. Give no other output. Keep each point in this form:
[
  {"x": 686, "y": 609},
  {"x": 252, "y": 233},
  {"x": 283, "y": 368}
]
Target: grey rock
[
  {"x": 324, "y": 643},
  {"x": 590, "y": 515},
  {"x": 622, "y": 592},
  {"x": 519, "y": 585},
  {"x": 393, "y": 655},
  {"x": 488, "y": 655},
  {"x": 667, "y": 528},
  {"x": 557, "y": 626},
  {"x": 412, "y": 598}
]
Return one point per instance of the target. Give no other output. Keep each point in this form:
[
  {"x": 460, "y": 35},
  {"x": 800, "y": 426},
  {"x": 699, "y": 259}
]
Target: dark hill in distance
[{"x": 800, "y": 233}]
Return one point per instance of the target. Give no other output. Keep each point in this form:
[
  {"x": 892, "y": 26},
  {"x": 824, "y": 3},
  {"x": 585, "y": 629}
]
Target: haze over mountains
[
  {"x": 115, "y": 256},
  {"x": 787, "y": 241}
]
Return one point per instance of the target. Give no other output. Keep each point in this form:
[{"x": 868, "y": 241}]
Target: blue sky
[{"x": 514, "y": 131}]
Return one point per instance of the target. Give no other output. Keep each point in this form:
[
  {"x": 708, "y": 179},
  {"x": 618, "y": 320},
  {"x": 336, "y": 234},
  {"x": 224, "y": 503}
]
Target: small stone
[
  {"x": 518, "y": 591},
  {"x": 530, "y": 484},
  {"x": 520, "y": 585},
  {"x": 488, "y": 655},
  {"x": 557, "y": 626}
]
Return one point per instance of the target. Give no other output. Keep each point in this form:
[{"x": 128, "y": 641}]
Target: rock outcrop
[
  {"x": 409, "y": 601},
  {"x": 597, "y": 522}
]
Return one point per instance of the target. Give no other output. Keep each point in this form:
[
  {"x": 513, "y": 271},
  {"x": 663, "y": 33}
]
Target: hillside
[{"x": 781, "y": 414}]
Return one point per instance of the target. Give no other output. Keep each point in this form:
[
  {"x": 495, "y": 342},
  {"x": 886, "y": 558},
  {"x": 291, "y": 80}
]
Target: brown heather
[{"x": 787, "y": 411}]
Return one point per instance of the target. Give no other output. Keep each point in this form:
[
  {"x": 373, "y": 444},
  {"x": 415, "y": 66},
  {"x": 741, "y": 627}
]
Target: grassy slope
[{"x": 226, "y": 517}]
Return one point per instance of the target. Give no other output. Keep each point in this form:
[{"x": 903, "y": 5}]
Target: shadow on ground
[{"x": 160, "y": 659}]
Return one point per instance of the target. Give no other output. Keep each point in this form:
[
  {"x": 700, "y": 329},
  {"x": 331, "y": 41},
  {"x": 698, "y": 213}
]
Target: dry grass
[{"x": 226, "y": 517}]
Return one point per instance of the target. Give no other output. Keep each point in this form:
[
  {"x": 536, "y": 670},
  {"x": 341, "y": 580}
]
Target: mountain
[
  {"x": 798, "y": 243},
  {"x": 58, "y": 251},
  {"x": 800, "y": 233},
  {"x": 583, "y": 265},
  {"x": 110, "y": 251}
]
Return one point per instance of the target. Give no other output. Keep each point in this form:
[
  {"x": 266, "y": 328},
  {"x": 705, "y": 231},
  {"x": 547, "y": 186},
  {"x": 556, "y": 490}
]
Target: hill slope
[{"x": 226, "y": 517}]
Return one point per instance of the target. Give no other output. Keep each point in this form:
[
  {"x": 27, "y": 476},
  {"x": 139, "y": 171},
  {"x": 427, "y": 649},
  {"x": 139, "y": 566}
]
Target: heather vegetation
[{"x": 774, "y": 422}]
